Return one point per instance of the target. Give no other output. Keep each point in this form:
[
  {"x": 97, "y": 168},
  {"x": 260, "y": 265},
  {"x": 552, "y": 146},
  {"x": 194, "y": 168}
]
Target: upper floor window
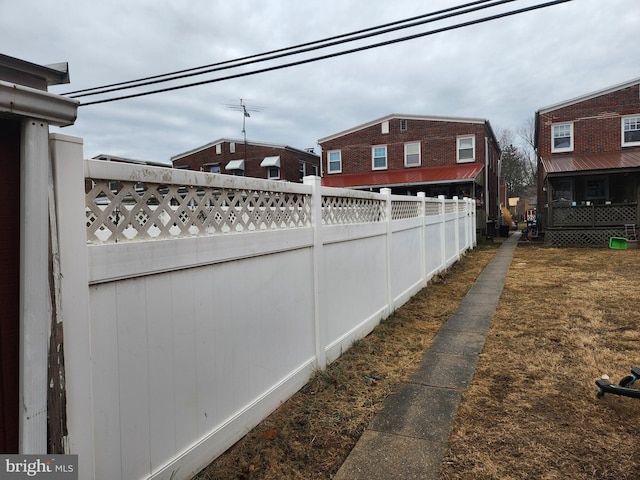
[
  {"x": 467, "y": 148},
  {"x": 273, "y": 173},
  {"x": 379, "y": 157},
  {"x": 335, "y": 161},
  {"x": 384, "y": 127},
  {"x": 562, "y": 137},
  {"x": 218, "y": 149},
  {"x": 631, "y": 131},
  {"x": 403, "y": 125},
  {"x": 412, "y": 154},
  {"x": 232, "y": 147},
  {"x": 302, "y": 170}
]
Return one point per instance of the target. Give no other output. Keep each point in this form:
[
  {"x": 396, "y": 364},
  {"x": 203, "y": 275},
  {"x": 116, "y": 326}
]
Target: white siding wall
[{"x": 193, "y": 338}]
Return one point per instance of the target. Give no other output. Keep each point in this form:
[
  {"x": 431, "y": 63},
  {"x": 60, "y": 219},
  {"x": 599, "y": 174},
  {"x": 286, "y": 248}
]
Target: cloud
[{"x": 501, "y": 70}]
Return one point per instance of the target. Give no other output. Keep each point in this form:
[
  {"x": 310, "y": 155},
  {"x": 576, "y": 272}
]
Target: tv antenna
[{"x": 245, "y": 109}]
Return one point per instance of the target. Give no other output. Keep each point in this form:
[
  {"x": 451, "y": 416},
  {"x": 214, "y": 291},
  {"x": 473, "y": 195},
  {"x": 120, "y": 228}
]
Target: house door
[{"x": 9, "y": 283}]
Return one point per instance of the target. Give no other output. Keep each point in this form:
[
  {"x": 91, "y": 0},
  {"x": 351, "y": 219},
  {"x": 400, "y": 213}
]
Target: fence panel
[{"x": 211, "y": 299}]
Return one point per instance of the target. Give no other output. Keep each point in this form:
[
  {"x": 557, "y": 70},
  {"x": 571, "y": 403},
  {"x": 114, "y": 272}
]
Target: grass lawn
[{"x": 566, "y": 317}]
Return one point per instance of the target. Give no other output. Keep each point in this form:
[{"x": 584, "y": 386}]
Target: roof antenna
[{"x": 245, "y": 109}]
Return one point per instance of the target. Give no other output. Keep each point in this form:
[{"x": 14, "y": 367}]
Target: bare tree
[{"x": 527, "y": 133}]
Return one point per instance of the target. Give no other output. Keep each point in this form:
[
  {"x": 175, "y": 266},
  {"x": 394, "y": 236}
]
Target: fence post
[
  {"x": 34, "y": 287},
  {"x": 443, "y": 247},
  {"x": 474, "y": 230},
  {"x": 319, "y": 327},
  {"x": 467, "y": 226},
  {"x": 457, "y": 223},
  {"x": 423, "y": 238},
  {"x": 68, "y": 174},
  {"x": 390, "y": 303}
]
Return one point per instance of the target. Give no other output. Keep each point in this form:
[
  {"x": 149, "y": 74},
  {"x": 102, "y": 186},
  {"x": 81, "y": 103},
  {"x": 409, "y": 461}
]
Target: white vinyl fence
[{"x": 195, "y": 303}]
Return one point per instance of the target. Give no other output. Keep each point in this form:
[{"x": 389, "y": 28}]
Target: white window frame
[
  {"x": 384, "y": 127},
  {"x": 338, "y": 161},
  {"x": 218, "y": 149},
  {"x": 473, "y": 148},
  {"x": 554, "y": 126},
  {"x": 273, "y": 173},
  {"x": 406, "y": 155},
  {"x": 232, "y": 147},
  {"x": 403, "y": 124},
  {"x": 373, "y": 157},
  {"x": 632, "y": 120}
]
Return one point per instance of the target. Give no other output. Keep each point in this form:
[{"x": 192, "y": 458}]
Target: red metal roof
[
  {"x": 410, "y": 176},
  {"x": 592, "y": 161}
]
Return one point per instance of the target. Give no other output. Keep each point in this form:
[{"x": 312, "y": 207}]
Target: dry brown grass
[{"x": 566, "y": 316}]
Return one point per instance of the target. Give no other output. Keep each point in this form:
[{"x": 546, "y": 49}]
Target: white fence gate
[{"x": 195, "y": 303}]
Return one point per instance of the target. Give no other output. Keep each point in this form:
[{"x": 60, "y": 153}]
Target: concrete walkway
[{"x": 408, "y": 438}]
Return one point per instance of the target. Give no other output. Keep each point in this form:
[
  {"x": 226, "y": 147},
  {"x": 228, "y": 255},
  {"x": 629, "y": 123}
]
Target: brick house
[
  {"x": 412, "y": 153},
  {"x": 250, "y": 159},
  {"x": 588, "y": 152}
]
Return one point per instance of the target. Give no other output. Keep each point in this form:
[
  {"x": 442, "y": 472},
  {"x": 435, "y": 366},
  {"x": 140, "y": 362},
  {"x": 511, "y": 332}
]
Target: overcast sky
[{"x": 502, "y": 70}]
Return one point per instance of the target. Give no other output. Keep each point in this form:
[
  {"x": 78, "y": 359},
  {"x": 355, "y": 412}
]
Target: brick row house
[
  {"x": 412, "y": 153},
  {"x": 589, "y": 166},
  {"x": 251, "y": 159}
]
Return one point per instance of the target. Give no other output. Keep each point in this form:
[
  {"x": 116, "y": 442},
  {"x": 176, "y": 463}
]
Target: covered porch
[{"x": 591, "y": 197}]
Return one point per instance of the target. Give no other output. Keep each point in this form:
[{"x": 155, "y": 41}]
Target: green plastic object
[{"x": 618, "y": 243}]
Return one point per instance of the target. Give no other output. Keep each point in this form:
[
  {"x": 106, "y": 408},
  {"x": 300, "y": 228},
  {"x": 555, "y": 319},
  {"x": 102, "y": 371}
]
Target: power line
[
  {"x": 259, "y": 57},
  {"x": 333, "y": 55}
]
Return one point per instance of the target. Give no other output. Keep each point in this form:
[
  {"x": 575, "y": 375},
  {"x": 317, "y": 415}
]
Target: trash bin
[{"x": 504, "y": 231}]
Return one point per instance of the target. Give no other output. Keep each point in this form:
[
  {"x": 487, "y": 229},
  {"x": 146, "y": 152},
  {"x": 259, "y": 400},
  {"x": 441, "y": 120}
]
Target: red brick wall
[
  {"x": 596, "y": 122},
  {"x": 437, "y": 142},
  {"x": 289, "y": 160}
]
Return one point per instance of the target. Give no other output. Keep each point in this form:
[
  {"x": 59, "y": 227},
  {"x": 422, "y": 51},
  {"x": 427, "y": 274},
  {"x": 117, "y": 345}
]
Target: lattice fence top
[
  {"x": 136, "y": 203},
  {"x": 118, "y": 211},
  {"x": 345, "y": 210},
  {"x": 401, "y": 209},
  {"x": 434, "y": 208}
]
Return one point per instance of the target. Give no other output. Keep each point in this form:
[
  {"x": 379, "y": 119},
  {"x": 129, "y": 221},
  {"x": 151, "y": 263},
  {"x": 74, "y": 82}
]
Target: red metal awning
[
  {"x": 624, "y": 159},
  {"x": 464, "y": 172}
]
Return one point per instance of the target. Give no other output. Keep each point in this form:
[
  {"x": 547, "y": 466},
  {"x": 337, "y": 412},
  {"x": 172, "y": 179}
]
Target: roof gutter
[{"x": 33, "y": 103}]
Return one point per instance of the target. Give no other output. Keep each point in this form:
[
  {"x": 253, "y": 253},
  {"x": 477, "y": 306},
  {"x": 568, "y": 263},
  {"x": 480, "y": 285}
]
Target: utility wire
[
  {"x": 258, "y": 57},
  {"x": 333, "y": 55}
]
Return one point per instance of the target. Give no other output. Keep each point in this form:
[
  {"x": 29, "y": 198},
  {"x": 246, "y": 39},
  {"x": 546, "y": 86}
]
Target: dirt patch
[{"x": 311, "y": 434}]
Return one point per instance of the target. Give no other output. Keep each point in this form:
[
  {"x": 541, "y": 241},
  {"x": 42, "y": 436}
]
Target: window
[
  {"x": 273, "y": 173},
  {"x": 212, "y": 168},
  {"x": 315, "y": 169},
  {"x": 302, "y": 169},
  {"x": 630, "y": 131},
  {"x": 272, "y": 164},
  {"x": 236, "y": 167},
  {"x": 467, "y": 148},
  {"x": 562, "y": 190},
  {"x": 232, "y": 147},
  {"x": 403, "y": 125},
  {"x": 562, "y": 137},
  {"x": 595, "y": 188},
  {"x": 379, "y": 157},
  {"x": 412, "y": 154},
  {"x": 218, "y": 149},
  {"x": 335, "y": 161},
  {"x": 384, "y": 127}
]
